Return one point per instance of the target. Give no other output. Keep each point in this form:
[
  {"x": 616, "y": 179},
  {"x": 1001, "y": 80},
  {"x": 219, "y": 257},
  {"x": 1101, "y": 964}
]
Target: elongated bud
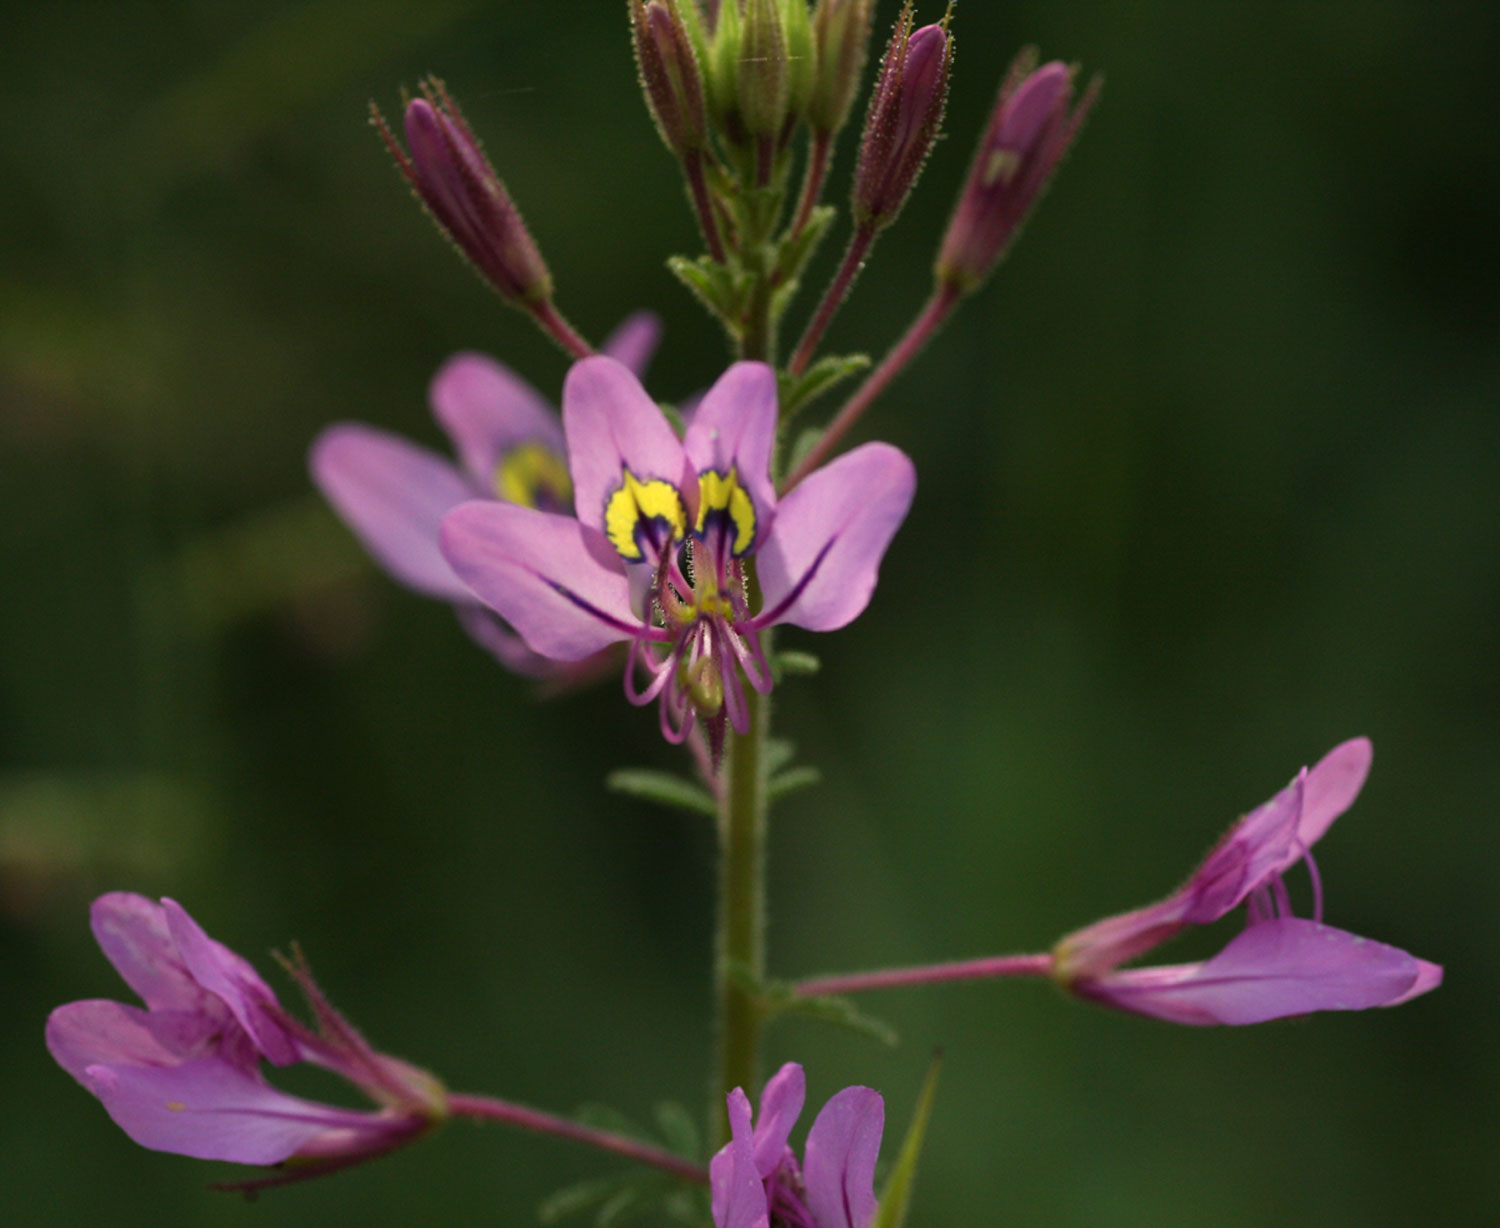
[
  {"x": 464, "y": 195},
  {"x": 722, "y": 73},
  {"x": 841, "y": 33},
  {"x": 1031, "y": 128},
  {"x": 801, "y": 60},
  {"x": 762, "y": 83},
  {"x": 669, "y": 74},
  {"x": 902, "y": 122}
]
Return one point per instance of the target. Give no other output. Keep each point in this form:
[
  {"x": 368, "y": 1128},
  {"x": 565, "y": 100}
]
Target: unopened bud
[
  {"x": 902, "y": 122},
  {"x": 762, "y": 83},
  {"x": 449, "y": 172},
  {"x": 1031, "y": 128},
  {"x": 841, "y": 32},
  {"x": 801, "y": 60},
  {"x": 669, "y": 74}
]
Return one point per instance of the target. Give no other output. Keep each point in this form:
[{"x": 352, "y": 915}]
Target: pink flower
[
  {"x": 657, "y": 556},
  {"x": 1279, "y": 964},
  {"x": 394, "y": 494},
  {"x": 183, "y": 1075},
  {"x": 756, "y": 1181}
]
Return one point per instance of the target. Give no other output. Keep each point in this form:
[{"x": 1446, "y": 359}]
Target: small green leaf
[
  {"x": 779, "y": 998},
  {"x": 663, "y": 788},
  {"x": 791, "y": 780},
  {"x": 603, "y": 1117},
  {"x": 673, "y": 415},
  {"x": 896, "y": 1196},
  {"x": 575, "y": 1199},
  {"x": 720, "y": 289},
  {"x": 797, "y": 392},
  {"x": 778, "y": 753},
  {"x": 795, "y": 252},
  {"x": 805, "y": 443},
  {"x": 795, "y": 664},
  {"x": 678, "y": 1129},
  {"x": 628, "y": 1204}
]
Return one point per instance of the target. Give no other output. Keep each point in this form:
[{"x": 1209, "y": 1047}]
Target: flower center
[{"x": 535, "y": 476}]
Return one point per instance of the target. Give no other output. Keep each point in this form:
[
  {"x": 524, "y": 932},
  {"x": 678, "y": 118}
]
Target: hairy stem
[
  {"x": 833, "y": 298},
  {"x": 818, "y": 154},
  {"x": 555, "y": 326},
  {"x": 703, "y": 205},
  {"x": 926, "y": 974},
  {"x": 486, "y": 1108},
  {"x": 937, "y": 309},
  {"x": 741, "y": 952}
]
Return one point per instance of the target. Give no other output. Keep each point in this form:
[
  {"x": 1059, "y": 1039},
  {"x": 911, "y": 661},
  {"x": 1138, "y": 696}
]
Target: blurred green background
[{"x": 1209, "y": 481}]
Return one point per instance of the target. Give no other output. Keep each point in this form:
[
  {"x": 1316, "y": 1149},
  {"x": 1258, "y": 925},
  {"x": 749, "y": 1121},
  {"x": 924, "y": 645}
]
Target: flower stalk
[{"x": 488, "y": 1108}]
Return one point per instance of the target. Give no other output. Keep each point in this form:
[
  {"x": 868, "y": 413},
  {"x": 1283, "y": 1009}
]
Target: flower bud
[
  {"x": 669, "y": 74},
  {"x": 902, "y": 122},
  {"x": 762, "y": 84},
  {"x": 841, "y": 33},
  {"x": 449, "y": 172},
  {"x": 1031, "y": 128},
  {"x": 801, "y": 60}
]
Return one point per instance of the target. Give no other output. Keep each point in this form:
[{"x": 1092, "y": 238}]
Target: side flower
[
  {"x": 756, "y": 1180},
  {"x": 660, "y": 554},
  {"x": 1279, "y": 964},
  {"x": 183, "y": 1075},
  {"x": 394, "y": 494}
]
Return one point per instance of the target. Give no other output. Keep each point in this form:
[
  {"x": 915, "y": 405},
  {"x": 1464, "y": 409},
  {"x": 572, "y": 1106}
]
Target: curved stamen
[
  {"x": 658, "y": 671},
  {"x": 1282, "y": 899},
  {"x": 1317, "y": 885},
  {"x": 674, "y": 707},
  {"x": 734, "y": 691}
]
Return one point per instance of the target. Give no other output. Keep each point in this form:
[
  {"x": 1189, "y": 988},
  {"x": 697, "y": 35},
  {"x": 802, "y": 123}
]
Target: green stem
[{"x": 741, "y": 955}]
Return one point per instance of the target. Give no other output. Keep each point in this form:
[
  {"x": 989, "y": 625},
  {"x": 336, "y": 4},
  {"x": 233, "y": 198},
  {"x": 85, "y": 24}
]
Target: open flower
[
  {"x": 1279, "y": 964},
  {"x": 394, "y": 494},
  {"x": 755, "y": 1178},
  {"x": 183, "y": 1075},
  {"x": 666, "y": 529}
]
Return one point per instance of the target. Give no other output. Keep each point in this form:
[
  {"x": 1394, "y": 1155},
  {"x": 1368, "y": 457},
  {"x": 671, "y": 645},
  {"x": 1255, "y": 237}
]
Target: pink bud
[
  {"x": 902, "y": 122},
  {"x": 465, "y": 197},
  {"x": 1028, "y": 133}
]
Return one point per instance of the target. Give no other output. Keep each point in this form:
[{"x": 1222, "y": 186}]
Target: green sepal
[
  {"x": 896, "y": 1195},
  {"x": 797, "y": 392},
  {"x": 663, "y": 788},
  {"x": 791, "y": 780},
  {"x": 794, "y": 665}
]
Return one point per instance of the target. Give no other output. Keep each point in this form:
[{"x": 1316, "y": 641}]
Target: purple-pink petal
[
  {"x": 84, "y": 1034},
  {"x": 634, "y": 341},
  {"x": 487, "y": 409},
  {"x": 1260, "y": 845},
  {"x": 393, "y": 495},
  {"x": 781, "y": 1103},
  {"x": 839, "y": 1161},
  {"x": 1288, "y": 966},
  {"x": 1332, "y": 785},
  {"x": 613, "y": 425},
  {"x": 556, "y": 581},
  {"x": 819, "y": 565},
  {"x": 737, "y": 1196},
  {"x": 235, "y": 983},
  {"x": 132, "y": 932},
  {"x": 734, "y": 429},
  {"x": 212, "y": 1110}
]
